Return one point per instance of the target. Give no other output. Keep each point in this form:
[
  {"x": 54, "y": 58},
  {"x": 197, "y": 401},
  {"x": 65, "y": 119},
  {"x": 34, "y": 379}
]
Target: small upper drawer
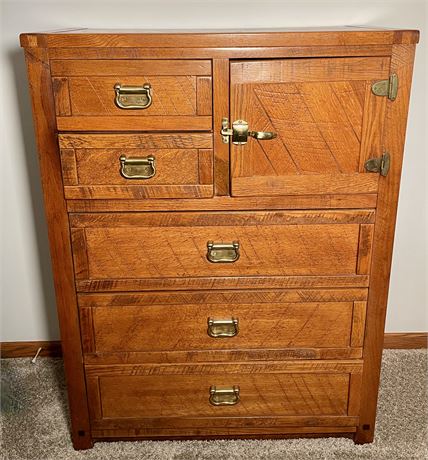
[
  {"x": 132, "y": 94},
  {"x": 119, "y": 166}
]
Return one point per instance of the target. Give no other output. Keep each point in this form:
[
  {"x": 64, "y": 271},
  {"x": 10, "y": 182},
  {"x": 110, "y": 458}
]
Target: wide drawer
[
  {"x": 292, "y": 391},
  {"x": 95, "y": 166},
  {"x": 225, "y": 325},
  {"x": 114, "y": 251},
  {"x": 132, "y": 95}
]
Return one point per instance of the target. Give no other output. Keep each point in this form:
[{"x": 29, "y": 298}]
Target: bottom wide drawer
[{"x": 275, "y": 389}]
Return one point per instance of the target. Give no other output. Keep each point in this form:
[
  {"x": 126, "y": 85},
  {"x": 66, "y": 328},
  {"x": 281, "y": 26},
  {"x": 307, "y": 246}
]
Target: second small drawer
[{"x": 120, "y": 166}]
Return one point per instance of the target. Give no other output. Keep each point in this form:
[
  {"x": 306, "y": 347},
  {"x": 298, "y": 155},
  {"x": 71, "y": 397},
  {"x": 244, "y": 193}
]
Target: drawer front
[
  {"x": 274, "y": 389},
  {"x": 153, "y": 94},
  {"x": 139, "y": 166},
  {"x": 210, "y": 321},
  {"x": 258, "y": 244}
]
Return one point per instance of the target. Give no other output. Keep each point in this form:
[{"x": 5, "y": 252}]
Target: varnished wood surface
[
  {"x": 105, "y": 247},
  {"x": 278, "y": 394},
  {"x": 91, "y": 167},
  {"x": 225, "y": 52},
  {"x": 222, "y": 282},
  {"x": 59, "y": 242},
  {"x": 128, "y": 328},
  {"x": 85, "y": 97},
  {"x": 393, "y": 141},
  {"x": 121, "y": 394},
  {"x": 327, "y": 120},
  {"x": 304, "y": 209},
  {"x": 328, "y": 36},
  {"x": 227, "y": 203}
]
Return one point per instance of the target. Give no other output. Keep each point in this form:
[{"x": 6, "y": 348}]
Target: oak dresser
[{"x": 221, "y": 210}]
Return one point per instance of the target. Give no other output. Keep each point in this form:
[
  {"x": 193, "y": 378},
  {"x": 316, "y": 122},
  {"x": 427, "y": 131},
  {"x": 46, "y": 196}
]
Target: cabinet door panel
[{"x": 328, "y": 123}]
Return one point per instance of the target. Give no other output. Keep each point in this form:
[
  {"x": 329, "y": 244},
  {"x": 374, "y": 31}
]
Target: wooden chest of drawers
[{"x": 221, "y": 212}]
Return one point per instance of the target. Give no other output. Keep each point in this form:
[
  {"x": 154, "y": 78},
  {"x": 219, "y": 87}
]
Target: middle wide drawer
[{"x": 221, "y": 250}]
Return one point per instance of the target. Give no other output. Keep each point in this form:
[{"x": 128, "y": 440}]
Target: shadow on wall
[{"x": 17, "y": 62}]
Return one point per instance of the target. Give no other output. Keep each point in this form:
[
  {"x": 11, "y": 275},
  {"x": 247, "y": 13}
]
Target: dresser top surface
[{"x": 312, "y": 36}]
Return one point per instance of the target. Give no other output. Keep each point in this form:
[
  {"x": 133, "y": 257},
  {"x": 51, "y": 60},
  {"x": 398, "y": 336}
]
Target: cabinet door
[{"x": 327, "y": 120}]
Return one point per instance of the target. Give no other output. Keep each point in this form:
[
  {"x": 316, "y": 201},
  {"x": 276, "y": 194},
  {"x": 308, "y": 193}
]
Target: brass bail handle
[
  {"x": 133, "y": 97},
  {"x": 224, "y": 396},
  {"x": 137, "y": 167},
  {"x": 240, "y": 132},
  {"x": 223, "y": 252},
  {"x": 218, "y": 328}
]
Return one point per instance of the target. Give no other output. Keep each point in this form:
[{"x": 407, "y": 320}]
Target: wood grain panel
[
  {"x": 40, "y": 83},
  {"x": 216, "y": 423},
  {"x": 221, "y": 93},
  {"x": 177, "y": 251},
  {"x": 69, "y": 167},
  {"x": 226, "y": 203},
  {"x": 61, "y": 96},
  {"x": 100, "y": 67},
  {"x": 223, "y": 282},
  {"x": 205, "y": 219},
  {"x": 365, "y": 246},
  {"x": 135, "y": 123},
  {"x": 358, "y": 324},
  {"x": 95, "y": 173},
  {"x": 138, "y": 193},
  {"x": 326, "y": 119},
  {"x": 303, "y": 184},
  {"x": 393, "y": 142},
  {"x": 136, "y": 141},
  {"x": 184, "y": 327},
  {"x": 279, "y": 394},
  {"x": 311, "y": 36},
  {"x": 310, "y": 70},
  {"x": 241, "y": 296},
  {"x": 224, "y": 52},
  {"x": 204, "y": 95}
]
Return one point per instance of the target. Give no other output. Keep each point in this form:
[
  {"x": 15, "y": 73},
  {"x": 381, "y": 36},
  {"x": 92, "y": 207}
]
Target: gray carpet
[{"x": 35, "y": 423}]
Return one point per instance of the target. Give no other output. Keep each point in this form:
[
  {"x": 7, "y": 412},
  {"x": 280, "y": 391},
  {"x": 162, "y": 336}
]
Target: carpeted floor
[{"x": 35, "y": 423}]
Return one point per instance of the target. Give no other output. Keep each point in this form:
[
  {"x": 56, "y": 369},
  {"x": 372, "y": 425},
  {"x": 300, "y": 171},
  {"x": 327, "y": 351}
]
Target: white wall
[{"x": 28, "y": 307}]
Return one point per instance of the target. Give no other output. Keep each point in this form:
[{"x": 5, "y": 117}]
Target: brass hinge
[
  {"x": 388, "y": 87},
  {"x": 379, "y": 165}
]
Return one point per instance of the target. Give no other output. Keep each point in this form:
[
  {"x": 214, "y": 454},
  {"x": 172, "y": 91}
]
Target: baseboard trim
[
  {"x": 29, "y": 349},
  {"x": 406, "y": 340},
  {"x": 393, "y": 340}
]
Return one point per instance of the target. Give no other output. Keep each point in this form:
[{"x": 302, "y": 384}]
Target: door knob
[{"x": 240, "y": 132}]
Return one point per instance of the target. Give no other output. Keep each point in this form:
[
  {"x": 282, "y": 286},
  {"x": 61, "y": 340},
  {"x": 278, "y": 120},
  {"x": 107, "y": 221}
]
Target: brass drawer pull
[
  {"x": 223, "y": 252},
  {"x": 137, "y": 168},
  {"x": 224, "y": 396},
  {"x": 223, "y": 327},
  {"x": 133, "y": 97}
]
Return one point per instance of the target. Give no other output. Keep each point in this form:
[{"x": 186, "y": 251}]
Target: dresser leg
[
  {"x": 82, "y": 440},
  {"x": 364, "y": 434}
]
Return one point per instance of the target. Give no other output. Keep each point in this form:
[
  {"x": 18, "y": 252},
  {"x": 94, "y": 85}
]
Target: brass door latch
[{"x": 239, "y": 132}]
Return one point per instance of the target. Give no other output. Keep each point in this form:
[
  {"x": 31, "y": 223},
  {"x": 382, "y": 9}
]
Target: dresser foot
[
  {"x": 364, "y": 434},
  {"x": 82, "y": 440}
]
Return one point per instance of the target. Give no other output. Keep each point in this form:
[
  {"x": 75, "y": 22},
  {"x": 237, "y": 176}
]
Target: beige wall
[{"x": 28, "y": 308}]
